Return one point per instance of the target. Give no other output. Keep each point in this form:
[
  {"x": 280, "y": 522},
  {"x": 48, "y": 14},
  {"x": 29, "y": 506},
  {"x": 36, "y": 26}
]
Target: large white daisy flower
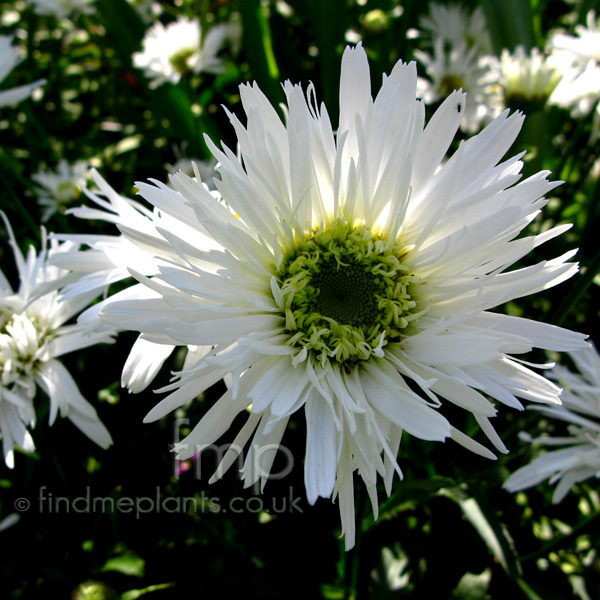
[
  {"x": 461, "y": 68},
  {"x": 579, "y": 457},
  {"x": 354, "y": 279},
  {"x": 33, "y": 335},
  {"x": 9, "y": 58},
  {"x": 179, "y": 48}
]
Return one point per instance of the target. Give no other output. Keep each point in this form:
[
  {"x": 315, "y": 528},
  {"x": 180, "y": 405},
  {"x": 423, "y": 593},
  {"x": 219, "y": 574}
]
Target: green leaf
[
  {"x": 173, "y": 103},
  {"x": 128, "y": 564},
  {"x": 510, "y": 23},
  {"x": 330, "y": 22},
  {"x": 489, "y": 527},
  {"x": 258, "y": 47},
  {"x": 407, "y": 496},
  {"x": 528, "y": 591},
  {"x": 123, "y": 26},
  {"x": 135, "y": 594}
]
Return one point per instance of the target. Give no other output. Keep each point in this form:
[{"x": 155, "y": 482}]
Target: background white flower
[
  {"x": 62, "y": 8},
  {"x": 205, "y": 168},
  {"x": 461, "y": 68},
  {"x": 354, "y": 277},
  {"x": 148, "y": 10},
  {"x": 60, "y": 187},
  {"x": 9, "y": 58},
  {"x": 456, "y": 24},
  {"x": 33, "y": 335},
  {"x": 577, "y": 59},
  {"x": 180, "y": 47},
  {"x": 527, "y": 77},
  {"x": 579, "y": 456}
]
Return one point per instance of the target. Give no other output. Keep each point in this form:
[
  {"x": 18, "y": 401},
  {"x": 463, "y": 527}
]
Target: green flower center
[
  {"x": 346, "y": 294},
  {"x": 180, "y": 60},
  {"x": 448, "y": 84}
]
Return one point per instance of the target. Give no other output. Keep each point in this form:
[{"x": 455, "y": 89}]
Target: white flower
[
  {"x": 578, "y": 50},
  {"x": 59, "y": 188},
  {"x": 579, "y": 457},
  {"x": 578, "y": 90},
  {"x": 577, "y": 59},
  {"x": 148, "y": 10},
  {"x": 527, "y": 79},
  {"x": 62, "y": 9},
  {"x": 9, "y": 58},
  {"x": 180, "y": 47},
  {"x": 354, "y": 280},
  {"x": 453, "y": 23},
  {"x": 461, "y": 68},
  {"x": 33, "y": 335},
  {"x": 205, "y": 168}
]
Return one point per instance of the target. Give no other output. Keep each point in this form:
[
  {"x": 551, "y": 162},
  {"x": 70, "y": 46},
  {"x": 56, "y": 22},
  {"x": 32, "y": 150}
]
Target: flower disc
[{"x": 346, "y": 293}]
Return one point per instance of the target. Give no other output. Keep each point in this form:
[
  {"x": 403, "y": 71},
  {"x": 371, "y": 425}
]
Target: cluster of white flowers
[
  {"x": 33, "y": 334},
  {"x": 461, "y": 58},
  {"x": 579, "y": 459}
]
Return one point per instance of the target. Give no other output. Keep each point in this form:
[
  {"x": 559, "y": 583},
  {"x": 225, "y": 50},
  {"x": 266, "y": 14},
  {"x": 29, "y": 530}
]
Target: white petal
[
  {"x": 143, "y": 364},
  {"x": 402, "y": 408},
  {"x": 320, "y": 464}
]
